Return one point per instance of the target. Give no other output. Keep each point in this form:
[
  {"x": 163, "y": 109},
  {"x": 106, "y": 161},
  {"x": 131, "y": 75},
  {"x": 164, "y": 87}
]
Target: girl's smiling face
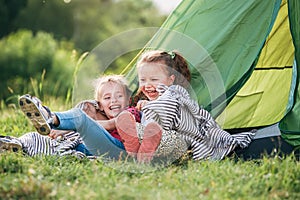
[
  {"x": 152, "y": 74},
  {"x": 113, "y": 99}
]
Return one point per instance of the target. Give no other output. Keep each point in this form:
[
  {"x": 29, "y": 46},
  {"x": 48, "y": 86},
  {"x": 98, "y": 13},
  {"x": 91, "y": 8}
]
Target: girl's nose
[
  {"x": 113, "y": 99},
  {"x": 148, "y": 84}
]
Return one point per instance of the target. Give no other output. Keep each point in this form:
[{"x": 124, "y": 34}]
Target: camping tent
[{"x": 243, "y": 57}]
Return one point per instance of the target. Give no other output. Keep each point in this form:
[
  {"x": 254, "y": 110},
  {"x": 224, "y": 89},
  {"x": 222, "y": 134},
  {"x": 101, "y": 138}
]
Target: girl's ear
[{"x": 171, "y": 79}]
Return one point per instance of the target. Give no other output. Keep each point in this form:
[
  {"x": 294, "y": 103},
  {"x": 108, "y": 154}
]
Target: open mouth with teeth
[
  {"x": 115, "y": 107},
  {"x": 152, "y": 93},
  {"x": 115, "y": 110}
]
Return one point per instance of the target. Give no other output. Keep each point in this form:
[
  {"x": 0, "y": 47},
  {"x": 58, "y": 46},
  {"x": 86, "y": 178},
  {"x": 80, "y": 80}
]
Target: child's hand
[
  {"x": 91, "y": 108},
  {"x": 140, "y": 104},
  {"x": 57, "y": 133}
]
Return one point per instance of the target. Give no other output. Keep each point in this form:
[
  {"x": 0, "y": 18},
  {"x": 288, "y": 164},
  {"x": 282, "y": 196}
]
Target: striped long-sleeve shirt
[
  {"x": 175, "y": 110},
  {"x": 34, "y": 144}
]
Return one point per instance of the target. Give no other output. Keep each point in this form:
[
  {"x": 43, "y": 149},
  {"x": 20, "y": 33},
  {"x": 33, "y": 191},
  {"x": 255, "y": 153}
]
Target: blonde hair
[{"x": 118, "y": 79}]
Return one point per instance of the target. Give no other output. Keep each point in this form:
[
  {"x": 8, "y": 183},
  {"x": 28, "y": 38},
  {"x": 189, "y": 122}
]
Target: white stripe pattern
[
  {"x": 175, "y": 110},
  {"x": 35, "y": 144}
]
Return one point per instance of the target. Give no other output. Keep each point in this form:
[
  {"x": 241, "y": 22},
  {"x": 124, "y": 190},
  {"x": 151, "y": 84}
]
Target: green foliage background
[
  {"x": 35, "y": 64},
  {"x": 42, "y": 41}
]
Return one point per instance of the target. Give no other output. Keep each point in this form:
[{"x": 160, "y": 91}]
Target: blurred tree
[
  {"x": 109, "y": 17},
  {"x": 112, "y": 17},
  {"x": 59, "y": 31},
  {"x": 27, "y": 60},
  {"x": 52, "y": 16},
  {"x": 89, "y": 22},
  {"x": 9, "y": 10}
]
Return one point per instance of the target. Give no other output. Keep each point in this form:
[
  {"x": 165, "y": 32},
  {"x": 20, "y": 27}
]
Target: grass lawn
[{"x": 51, "y": 177}]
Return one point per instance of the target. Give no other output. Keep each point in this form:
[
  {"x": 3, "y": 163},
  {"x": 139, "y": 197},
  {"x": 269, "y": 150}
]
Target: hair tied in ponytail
[{"x": 172, "y": 54}]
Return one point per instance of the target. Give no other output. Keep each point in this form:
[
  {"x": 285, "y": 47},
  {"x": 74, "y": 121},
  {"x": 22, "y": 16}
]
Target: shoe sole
[
  {"x": 30, "y": 109},
  {"x": 8, "y": 146}
]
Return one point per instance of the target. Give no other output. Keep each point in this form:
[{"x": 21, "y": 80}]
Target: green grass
[{"x": 50, "y": 177}]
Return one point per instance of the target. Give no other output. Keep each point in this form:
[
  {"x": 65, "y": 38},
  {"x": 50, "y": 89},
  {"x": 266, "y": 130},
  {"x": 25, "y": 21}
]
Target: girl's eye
[{"x": 106, "y": 98}]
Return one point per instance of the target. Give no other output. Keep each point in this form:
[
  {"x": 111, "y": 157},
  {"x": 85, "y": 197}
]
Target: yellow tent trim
[{"x": 263, "y": 99}]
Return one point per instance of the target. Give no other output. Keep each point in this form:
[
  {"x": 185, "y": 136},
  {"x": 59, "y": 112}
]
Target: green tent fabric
[
  {"x": 241, "y": 55},
  {"x": 290, "y": 125},
  {"x": 258, "y": 102},
  {"x": 228, "y": 36}
]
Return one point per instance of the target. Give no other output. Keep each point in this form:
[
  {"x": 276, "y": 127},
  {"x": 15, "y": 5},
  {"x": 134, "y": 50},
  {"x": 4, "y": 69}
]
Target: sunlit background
[{"x": 43, "y": 42}]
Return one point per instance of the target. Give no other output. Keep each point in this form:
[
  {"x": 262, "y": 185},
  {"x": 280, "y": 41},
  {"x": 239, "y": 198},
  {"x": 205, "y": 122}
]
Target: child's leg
[
  {"x": 126, "y": 126},
  {"x": 97, "y": 140},
  {"x": 151, "y": 140},
  {"x": 82, "y": 148}
]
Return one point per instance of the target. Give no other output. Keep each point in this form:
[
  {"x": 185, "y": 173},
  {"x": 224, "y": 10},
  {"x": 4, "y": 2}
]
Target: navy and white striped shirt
[{"x": 175, "y": 110}]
